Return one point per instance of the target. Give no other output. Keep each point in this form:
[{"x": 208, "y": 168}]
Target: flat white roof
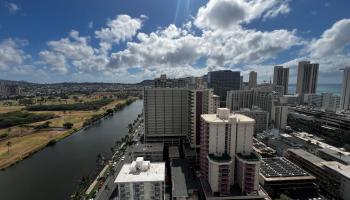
[
  {"x": 339, "y": 168},
  {"x": 213, "y": 118},
  {"x": 307, "y": 136},
  {"x": 155, "y": 173}
]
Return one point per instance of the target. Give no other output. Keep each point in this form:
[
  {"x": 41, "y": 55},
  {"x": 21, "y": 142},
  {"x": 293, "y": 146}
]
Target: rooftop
[
  {"x": 188, "y": 171},
  {"x": 315, "y": 140},
  {"x": 307, "y": 156},
  {"x": 150, "y": 147},
  {"x": 344, "y": 170},
  {"x": 174, "y": 152},
  {"x": 179, "y": 182},
  {"x": 220, "y": 158},
  {"x": 343, "y": 158},
  {"x": 249, "y": 157},
  {"x": 279, "y": 168},
  {"x": 154, "y": 173},
  {"x": 238, "y": 118}
]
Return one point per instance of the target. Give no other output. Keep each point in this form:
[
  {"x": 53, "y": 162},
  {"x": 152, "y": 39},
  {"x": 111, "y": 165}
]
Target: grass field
[
  {"x": 5, "y": 109},
  {"x": 25, "y": 140},
  {"x": 22, "y": 147}
]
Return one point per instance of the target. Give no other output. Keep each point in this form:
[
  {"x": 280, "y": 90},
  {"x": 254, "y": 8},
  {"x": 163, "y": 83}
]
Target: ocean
[{"x": 331, "y": 88}]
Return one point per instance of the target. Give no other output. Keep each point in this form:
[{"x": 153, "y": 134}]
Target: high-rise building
[
  {"x": 281, "y": 77},
  {"x": 9, "y": 90},
  {"x": 307, "y": 77},
  {"x": 173, "y": 114},
  {"x": 238, "y": 99},
  {"x": 226, "y": 154},
  {"x": 345, "y": 96},
  {"x": 223, "y": 81},
  {"x": 141, "y": 180},
  {"x": 279, "y": 113},
  {"x": 260, "y": 96},
  {"x": 164, "y": 82},
  {"x": 215, "y": 104},
  {"x": 201, "y": 103},
  {"x": 252, "y": 79},
  {"x": 261, "y": 118},
  {"x": 167, "y": 114}
]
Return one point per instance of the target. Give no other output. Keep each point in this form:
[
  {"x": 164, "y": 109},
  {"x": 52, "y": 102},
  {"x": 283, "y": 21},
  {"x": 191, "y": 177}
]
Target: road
[{"x": 109, "y": 186}]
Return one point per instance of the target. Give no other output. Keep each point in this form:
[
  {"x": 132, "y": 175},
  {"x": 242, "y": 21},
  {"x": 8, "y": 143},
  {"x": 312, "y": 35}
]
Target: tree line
[
  {"x": 92, "y": 105},
  {"x": 18, "y": 117}
]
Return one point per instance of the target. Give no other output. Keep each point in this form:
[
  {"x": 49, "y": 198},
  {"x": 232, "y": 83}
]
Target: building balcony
[
  {"x": 224, "y": 158},
  {"x": 252, "y": 157}
]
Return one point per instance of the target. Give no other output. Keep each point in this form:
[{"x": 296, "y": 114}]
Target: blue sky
[{"x": 129, "y": 41}]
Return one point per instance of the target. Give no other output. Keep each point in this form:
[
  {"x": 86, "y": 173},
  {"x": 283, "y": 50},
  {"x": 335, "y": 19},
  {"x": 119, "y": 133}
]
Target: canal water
[{"x": 55, "y": 172}]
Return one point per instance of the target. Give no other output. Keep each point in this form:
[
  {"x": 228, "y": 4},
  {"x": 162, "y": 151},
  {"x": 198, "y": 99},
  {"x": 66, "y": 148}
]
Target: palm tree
[{"x": 8, "y": 144}]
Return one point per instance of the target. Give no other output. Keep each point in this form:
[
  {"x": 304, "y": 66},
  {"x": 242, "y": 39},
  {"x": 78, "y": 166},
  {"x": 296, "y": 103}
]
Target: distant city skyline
[{"x": 119, "y": 41}]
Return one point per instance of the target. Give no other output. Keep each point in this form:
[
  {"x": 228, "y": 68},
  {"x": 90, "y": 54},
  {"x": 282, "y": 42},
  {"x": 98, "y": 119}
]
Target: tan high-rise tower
[
  {"x": 307, "y": 77},
  {"x": 281, "y": 77}
]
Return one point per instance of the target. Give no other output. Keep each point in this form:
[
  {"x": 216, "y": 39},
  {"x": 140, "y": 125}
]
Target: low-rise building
[
  {"x": 332, "y": 177},
  {"x": 279, "y": 175},
  {"x": 173, "y": 152},
  {"x": 184, "y": 180},
  {"x": 262, "y": 149},
  {"x": 279, "y": 113},
  {"x": 149, "y": 151},
  {"x": 330, "y": 102},
  {"x": 314, "y": 100},
  {"x": 334, "y": 155},
  {"x": 141, "y": 180},
  {"x": 292, "y": 99}
]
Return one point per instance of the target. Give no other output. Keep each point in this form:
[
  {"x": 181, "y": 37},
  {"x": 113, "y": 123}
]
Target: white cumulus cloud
[
  {"x": 332, "y": 41},
  {"x": 120, "y": 29},
  {"x": 12, "y": 7},
  {"x": 11, "y": 53},
  {"x": 224, "y": 14},
  {"x": 54, "y": 61}
]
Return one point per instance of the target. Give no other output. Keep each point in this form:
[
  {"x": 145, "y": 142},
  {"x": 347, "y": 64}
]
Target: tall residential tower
[
  {"x": 252, "y": 79},
  {"x": 226, "y": 154},
  {"x": 223, "y": 81},
  {"x": 345, "y": 96},
  {"x": 307, "y": 77},
  {"x": 281, "y": 77}
]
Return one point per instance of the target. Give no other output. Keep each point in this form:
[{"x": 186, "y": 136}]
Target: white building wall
[
  {"x": 279, "y": 115},
  {"x": 148, "y": 190},
  {"x": 216, "y": 138},
  {"x": 239, "y": 140},
  {"x": 256, "y": 176},
  {"x": 233, "y": 137},
  {"x": 213, "y": 176},
  {"x": 245, "y": 138}
]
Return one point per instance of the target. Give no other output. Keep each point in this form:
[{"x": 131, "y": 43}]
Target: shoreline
[{"x": 52, "y": 142}]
